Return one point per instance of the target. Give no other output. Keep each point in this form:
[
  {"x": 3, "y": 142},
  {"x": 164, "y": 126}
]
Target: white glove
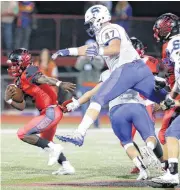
[
  {"x": 73, "y": 105},
  {"x": 54, "y": 56}
]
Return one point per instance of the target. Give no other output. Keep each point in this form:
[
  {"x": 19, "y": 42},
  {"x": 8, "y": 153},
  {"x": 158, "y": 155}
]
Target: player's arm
[
  {"x": 71, "y": 105},
  {"x": 9, "y": 93},
  {"x": 110, "y": 37}
]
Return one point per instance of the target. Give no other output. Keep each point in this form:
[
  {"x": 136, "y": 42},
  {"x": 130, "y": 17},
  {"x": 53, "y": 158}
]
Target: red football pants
[{"x": 45, "y": 124}]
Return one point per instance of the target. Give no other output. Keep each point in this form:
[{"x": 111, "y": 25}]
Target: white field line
[{"x": 63, "y": 130}]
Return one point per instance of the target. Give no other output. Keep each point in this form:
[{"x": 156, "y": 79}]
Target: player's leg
[
  {"x": 67, "y": 168},
  {"x": 38, "y": 125},
  {"x": 120, "y": 117},
  {"x": 169, "y": 116},
  {"x": 158, "y": 150},
  {"x": 145, "y": 127},
  {"x": 172, "y": 138}
]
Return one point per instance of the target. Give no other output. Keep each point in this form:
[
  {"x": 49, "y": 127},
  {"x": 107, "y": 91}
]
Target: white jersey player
[
  {"x": 167, "y": 27},
  {"x": 125, "y": 111}
]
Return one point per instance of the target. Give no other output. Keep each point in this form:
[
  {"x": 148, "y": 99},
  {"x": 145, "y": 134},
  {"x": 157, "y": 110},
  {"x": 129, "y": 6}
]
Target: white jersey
[
  {"x": 127, "y": 52},
  {"x": 130, "y": 96},
  {"x": 173, "y": 53}
]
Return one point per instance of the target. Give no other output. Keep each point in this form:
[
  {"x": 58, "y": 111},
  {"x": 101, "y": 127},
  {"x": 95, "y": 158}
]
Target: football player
[
  {"x": 38, "y": 86},
  {"x": 128, "y": 71},
  {"x": 167, "y": 27},
  {"x": 125, "y": 111},
  {"x": 171, "y": 114},
  {"x": 154, "y": 65}
]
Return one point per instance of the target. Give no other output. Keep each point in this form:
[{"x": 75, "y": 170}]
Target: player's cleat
[
  {"x": 76, "y": 138},
  {"x": 143, "y": 174},
  {"x": 54, "y": 154},
  {"x": 167, "y": 178},
  {"x": 66, "y": 169},
  {"x": 135, "y": 170},
  {"x": 149, "y": 158}
]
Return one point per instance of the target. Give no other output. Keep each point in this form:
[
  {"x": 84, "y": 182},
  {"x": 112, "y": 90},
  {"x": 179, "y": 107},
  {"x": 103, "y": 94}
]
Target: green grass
[{"x": 100, "y": 159}]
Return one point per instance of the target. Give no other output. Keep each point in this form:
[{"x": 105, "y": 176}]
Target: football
[{"x": 19, "y": 96}]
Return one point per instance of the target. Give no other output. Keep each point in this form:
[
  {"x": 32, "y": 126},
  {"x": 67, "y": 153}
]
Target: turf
[{"x": 100, "y": 164}]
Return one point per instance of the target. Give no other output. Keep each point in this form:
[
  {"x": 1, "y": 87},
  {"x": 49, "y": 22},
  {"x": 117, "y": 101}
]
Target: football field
[{"x": 100, "y": 164}]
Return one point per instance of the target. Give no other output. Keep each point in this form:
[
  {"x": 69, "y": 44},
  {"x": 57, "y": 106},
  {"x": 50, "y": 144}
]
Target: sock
[
  {"x": 43, "y": 143},
  {"x": 61, "y": 158},
  {"x": 164, "y": 164},
  {"x": 139, "y": 163},
  {"x": 150, "y": 145},
  {"x": 173, "y": 165},
  {"x": 137, "y": 147},
  {"x": 85, "y": 124},
  {"x": 158, "y": 150}
]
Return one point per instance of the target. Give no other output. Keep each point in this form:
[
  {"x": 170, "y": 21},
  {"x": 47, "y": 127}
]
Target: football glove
[
  {"x": 167, "y": 103},
  {"x": 61, "y": 52},
  {"x": 160, "y": 83}
]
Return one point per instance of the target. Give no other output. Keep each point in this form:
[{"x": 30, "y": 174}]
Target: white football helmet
[{"x": 95, "y": 16}]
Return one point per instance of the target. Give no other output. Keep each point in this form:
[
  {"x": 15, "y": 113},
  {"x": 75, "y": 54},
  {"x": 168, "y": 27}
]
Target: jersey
[
  {"x": 43, "y": 95},
  {"x": 173, "y": 53},
  {"x": 127, "y": 52},
  {"x": 169, "y": 66},
  {"x": 154, "y": 66},
  {"x": 130, "y": 96},
  {"x": 152, "y": 63}
]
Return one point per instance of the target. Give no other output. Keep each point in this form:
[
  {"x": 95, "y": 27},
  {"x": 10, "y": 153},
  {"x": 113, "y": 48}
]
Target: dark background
[{"x": 140, "y": 8}]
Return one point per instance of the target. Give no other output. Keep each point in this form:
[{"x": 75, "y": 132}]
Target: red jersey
[
  {"x": 171, "y": 77},
  {"x": 44, "y": 95},
  {"x": 152, "y": 63}
]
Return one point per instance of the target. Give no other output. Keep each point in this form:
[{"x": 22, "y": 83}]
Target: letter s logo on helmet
[{"x": 95, "y": 16}]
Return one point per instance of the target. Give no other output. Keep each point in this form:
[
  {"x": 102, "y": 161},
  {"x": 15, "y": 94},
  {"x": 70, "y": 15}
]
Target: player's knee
[
  {"x": 96, "y": 106},
  {"x": 20, "y": 133},
  {"x": 96, "y": 99},
  {"x": 128, "y": 145}
]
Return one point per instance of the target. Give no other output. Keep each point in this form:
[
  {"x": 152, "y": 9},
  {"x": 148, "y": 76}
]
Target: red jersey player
[{"x": 38, "y": 86}]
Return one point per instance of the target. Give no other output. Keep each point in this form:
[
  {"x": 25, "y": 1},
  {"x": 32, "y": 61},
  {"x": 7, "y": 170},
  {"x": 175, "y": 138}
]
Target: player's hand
[
  {"x": 73, "y": 105},
  {"x": 159, "y": 83},
  {"x": 168, "y": 103},
  {"x": 64, "y": 104},
  {"x": 92, "y": 51},
  {"x": 62, "y": 52},
  {"x": 9, "y": 93},
  {"x": 68, "y": 86}
]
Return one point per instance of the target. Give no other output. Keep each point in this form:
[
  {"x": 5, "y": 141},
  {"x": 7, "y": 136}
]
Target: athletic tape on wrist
[{"x": 9, "y": 101}]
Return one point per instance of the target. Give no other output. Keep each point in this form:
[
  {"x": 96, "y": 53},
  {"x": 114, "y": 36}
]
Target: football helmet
[
  {"x": 17, "y": 61},
  {"x": 166, "y": 26},
  {"x": 95, "y": 16},
  {"x": 138, "y": 46}
]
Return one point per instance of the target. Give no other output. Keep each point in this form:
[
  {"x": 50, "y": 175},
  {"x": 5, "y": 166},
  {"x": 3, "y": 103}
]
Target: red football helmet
[
  {"x": 17, "y": 61},
  {"x": 166, "y": 26}
]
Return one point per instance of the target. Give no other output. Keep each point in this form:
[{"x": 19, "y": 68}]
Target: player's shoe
[
  {"x": 54, "y": 154},
  {"x": 66, "y": 169},
  {"x": 76, "y": 138},
  {"x": 149, "y": 158},
  {"x": 135, "y": 170},
  {"x": 143, "y": 174},
  {"x": 167, "y": 178}
]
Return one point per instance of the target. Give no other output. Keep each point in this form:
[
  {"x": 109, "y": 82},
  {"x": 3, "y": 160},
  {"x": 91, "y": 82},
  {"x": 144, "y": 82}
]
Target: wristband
[
  {"x": 58, "y": 83},
  {"x": 73, "y": 51},
  {"x": 9, "y": 101},
  {"x": 101, "y": 51}
]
